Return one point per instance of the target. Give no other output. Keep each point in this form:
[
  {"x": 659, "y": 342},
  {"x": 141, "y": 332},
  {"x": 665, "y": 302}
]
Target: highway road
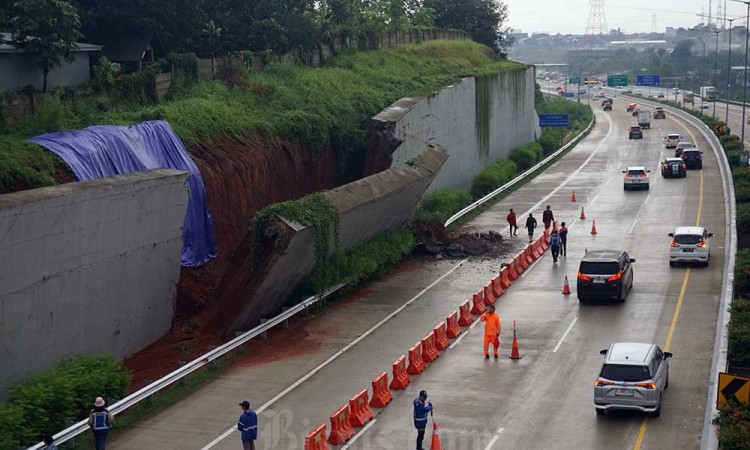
[{"x": 545, "y": 399}]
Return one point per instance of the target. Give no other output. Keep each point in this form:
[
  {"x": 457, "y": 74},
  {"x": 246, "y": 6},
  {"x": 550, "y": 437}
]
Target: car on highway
[
  {"x": 605, "y": 274},
  {"x": 607, "y": 107},
  {"x": 693, "y": 158},
  {"x": 671, "y": 140},
  {"x": 673, "y": 168},
  {"x": 631, "y": 107},
  {"x": 704, "y": 105},
  {"x": 638, "y": 92},
  {"x": 660, "y": 96},
  {"x": 633, "y": 377},
  {"x": 682, "y": 146},
  {"x": 659, "y": 113},
  {"x": 689, "y": 244},
  {"x": 636, "y": 177},
  {"x": 635, "y": 132}
]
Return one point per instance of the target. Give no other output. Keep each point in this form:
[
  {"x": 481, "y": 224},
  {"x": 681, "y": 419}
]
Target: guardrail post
[
  {"x": 264, "y": 335},
  {"x": 212, "y": 364},
  {"x": 286, "y": 321},
  {"x": 72, "y": 443},
  {"x": 183, "y": 380}
]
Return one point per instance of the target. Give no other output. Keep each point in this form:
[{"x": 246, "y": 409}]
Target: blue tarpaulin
[{"x": 107, "y": 150}]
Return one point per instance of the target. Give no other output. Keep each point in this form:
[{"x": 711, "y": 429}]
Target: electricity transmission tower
[{"x": 597, "y": 24}]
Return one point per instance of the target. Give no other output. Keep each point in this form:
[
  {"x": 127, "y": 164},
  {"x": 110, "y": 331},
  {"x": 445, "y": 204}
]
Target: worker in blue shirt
[
  {"x": 421, "y": 408},
  {"x": 248, "y": 425}
]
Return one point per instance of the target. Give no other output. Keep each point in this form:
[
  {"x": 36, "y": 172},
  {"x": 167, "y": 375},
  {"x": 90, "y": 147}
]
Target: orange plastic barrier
[
  {"x": 441, "y": 338},
  {"x": 477, "y": 306},
  {"x": 341, "y": 430},
  {"x": 497, "y": 287},
  {"x": 429, "y": 351},
  {"x": 360, "y": 409},
  {"x": 416, "y": 363},
  {"x": 545, "y": 241},
  {"x": 529, "y": 254},
  {"x": 400, "y": 377},
  {"x": 316, "y": 440},
  {"x": 464, "y": 317},
  {"x": 512, "y": 273},
  {"x": 452, "y": 329},
  {"x": 505, "y": 278},
  {"x": 517, "y": 263},
  {"x": 537, "y": 248},
  {"x": 489, "y": 296},
  {"x": 521, "y": 259},
  {"x": 381, "y": 395}
]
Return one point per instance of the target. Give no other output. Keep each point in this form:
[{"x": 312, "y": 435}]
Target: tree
[
  {"x": 482, "y": 19},
  {"x": 47, "y": 28},
  {"x": 683, "y": 50}
]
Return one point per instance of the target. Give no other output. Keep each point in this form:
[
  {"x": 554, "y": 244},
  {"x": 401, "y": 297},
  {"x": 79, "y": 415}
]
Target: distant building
[
  {"x": 671, "y": 33},
  {"x": 19, "y": 68}
]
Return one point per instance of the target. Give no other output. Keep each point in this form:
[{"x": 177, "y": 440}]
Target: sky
[{"x": 631, "y": 16}]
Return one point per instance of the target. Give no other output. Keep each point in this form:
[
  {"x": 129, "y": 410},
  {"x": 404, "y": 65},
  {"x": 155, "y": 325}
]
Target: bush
[
  {"x": 742, "y": 270},
  {"x": 64, "y": 393},
  {"x": 734, "y": 432},
  {"x": 524, "y": 157},
  {"x": 11, "y": 422},
  {"x": 742, "y": 194},
  {"x": 439, "y": 205},
  {"x": 741, "y": 176},
  {"x": 367, "y": 261},
  {"x": 734, "y": 157},
  {"x": 743, "y": 218},
  {"x": 492, "y": 177},
  {"x": 50, "y": 116},
  {"x": 738, "y": 353},
  {"x": 550, "y": 141},
  {"x": 730, "y": 142}
]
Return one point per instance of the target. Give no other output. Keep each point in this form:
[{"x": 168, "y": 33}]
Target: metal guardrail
[
  {"x": 519, "y": 178},
  {"x": 709, "y": 439},
  {"x": 140, "y": 395}
]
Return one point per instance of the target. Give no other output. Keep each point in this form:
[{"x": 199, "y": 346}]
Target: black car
[
  {"x": 693, "y": 158},
  {"x": 608, "y": 106},
  {"x": 605, "y": 274},
  {"x": 635, "y": 132},
  {"x": 673, "y": 168},
  {"x": 682, "y": 146}
]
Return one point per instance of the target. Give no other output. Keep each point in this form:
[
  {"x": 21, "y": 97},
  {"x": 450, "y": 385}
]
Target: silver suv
[{"x": 633, "y": 376}]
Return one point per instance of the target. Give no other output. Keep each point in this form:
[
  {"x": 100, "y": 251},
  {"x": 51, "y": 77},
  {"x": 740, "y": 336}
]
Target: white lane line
[
  {"x": 337, "y": 354},
  {"x": 559, "y": 343},
  {"x": 638, "y": 215},
  {"x": 460, "y": 338},
  {"x": 500, "y": 430},
  {"x": 361, "y": 432},
  {"x": 528, "y": 269},
  {"x": 492, "y": 442}
]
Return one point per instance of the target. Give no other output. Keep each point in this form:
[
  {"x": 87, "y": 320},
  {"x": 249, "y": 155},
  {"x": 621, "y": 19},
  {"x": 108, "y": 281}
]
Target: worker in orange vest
[{"x": 491, "y": 331}]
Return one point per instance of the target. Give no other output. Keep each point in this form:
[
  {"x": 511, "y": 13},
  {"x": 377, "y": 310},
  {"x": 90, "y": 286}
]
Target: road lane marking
[
  {"x": 492, "y": 442},
  {"x": 678, "y": 307},
  {"x": 528, "y": 269},
  {"x": 570, "y": 327},
  {"x": 339, "y": 353},
  {"x": 361, "y": 432},
  {"x": 638, "y": 214}
]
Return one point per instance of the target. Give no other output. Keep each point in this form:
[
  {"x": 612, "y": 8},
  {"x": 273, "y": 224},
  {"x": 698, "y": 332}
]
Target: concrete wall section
[
  {"x": 366, "y": 207},
  {"x": 88, "y": 267},
  {"x": 478, "y": 121}
]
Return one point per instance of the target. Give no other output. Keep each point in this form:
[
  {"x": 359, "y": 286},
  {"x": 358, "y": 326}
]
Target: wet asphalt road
[{"x": 544, "y": 400}]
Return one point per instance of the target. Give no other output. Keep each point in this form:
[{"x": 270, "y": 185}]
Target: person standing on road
[
  {"x": 421, "y": 408},
  {"x": 100, "y": 421},
  {"x": 491, "y": 331},
  {"x": 547, "y": 218},
  {"x": 512, "y": 222},
  {"x": 554, "y": 243},
  {"x": 530, "y": 226},
  {"x": 563, "y": 239},
  {"x": 248, "y": 425}
]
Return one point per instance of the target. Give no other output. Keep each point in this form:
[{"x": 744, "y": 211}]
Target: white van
[{"x": 689, "y": 244}]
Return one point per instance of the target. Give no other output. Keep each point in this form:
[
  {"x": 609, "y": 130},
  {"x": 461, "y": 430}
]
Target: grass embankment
[{"x": 319, "y": 107}]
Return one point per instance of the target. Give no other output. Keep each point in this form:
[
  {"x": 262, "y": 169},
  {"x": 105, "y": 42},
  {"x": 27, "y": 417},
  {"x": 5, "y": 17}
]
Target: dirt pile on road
[{"x": 434, "y": 239}]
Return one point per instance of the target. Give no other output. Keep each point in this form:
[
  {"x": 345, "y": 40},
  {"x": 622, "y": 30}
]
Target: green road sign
[
  {"x": 617, "y": 80},
  {"x": 574, "y": 80}
]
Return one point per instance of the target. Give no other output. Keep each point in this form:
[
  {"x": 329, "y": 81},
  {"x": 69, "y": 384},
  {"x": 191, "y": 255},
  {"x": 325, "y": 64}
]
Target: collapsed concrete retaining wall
[
  {"x": 477, "y": 121},
  {"x": 367, "y": 207},
  {"x": 88, "y": 267}
]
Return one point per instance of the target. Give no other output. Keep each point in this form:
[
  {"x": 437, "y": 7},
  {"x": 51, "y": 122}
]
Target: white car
[
  {"x": 635, "y": 178},
  {"x": 672, "y": 140},
  {"x": 704, "y": 105},
  {"x": 689, "y": 244}
]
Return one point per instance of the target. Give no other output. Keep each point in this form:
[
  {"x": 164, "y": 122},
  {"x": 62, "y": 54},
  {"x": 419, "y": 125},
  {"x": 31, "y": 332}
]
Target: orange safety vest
[{"x": 491, "y": 323}]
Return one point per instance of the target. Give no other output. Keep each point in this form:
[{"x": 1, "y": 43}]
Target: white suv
[
  {"x": 689, "y": 244},
  {"x": 672, "y": 140},
  {"x": 635, "y": 178}
]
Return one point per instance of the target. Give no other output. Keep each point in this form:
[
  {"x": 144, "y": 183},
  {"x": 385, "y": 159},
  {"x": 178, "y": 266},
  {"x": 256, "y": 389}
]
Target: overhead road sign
[
  {"x": 732, "y": 388},
  {"x": 647, "y": 80},
  {"x": 574, "y": 80},
  {"x": 553, "y": 120},
  {"x": 617, "y": 80}
]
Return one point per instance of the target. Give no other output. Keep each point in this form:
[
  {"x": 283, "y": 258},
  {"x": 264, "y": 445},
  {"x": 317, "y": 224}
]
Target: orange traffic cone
[
  {"x": 514, "y": 349},
  {"x": 435, "y": 438},
  {"x": 573, "y": 197},
  {"x": 593, "y": 227},
  {"x": 566, "y": 286},
  {"x": 583, "y": 215}
]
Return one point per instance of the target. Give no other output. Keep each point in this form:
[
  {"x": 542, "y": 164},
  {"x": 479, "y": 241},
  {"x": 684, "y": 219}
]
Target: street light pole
[
  {"x": 729, "y": 71},
  {"x": 716, "y": 63}
]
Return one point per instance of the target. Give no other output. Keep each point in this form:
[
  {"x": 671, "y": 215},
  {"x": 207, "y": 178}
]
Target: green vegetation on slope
[{"x": 326, "y": 106}]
